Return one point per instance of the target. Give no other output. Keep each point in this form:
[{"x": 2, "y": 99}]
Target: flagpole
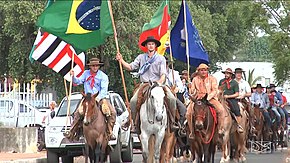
[
  {"x": 69, "y": 95},
  {"x": 186, "y": 39},
  {"x": 118, "y": 51}
]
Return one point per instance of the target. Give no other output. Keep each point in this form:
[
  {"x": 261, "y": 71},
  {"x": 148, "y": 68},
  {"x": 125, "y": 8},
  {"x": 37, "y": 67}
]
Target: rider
[
  {"x": 280, "y": 103},
  {"x": 284, "y": 99},
  {"x": 204, "y": 84},
  {"x": 261, "y": 99},
  {"x": 152, "y": 67},
  {"x": 231, "y": 92},
  {"x": 95, "y": 80},
  {"x": 177, "y": 86},
  {"x": 244, "y": 86},
  {"x": 275, "y": 104}
]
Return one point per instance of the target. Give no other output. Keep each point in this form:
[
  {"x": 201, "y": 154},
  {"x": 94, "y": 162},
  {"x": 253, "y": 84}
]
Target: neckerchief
[
  {"x": 147, "y": 64},
  {"x": 92, "y": 78},
  {"x": 227, "y": 81}
]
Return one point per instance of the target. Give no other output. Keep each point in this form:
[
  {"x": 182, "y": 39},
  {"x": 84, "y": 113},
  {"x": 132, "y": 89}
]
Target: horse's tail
[{"x": 151, "y": 145}]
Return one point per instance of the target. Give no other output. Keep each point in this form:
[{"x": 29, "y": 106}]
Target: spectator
[{"x": 51, "y": 113}]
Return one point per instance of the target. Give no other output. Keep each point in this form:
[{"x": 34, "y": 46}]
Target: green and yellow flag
[{"x": 82, "y": 23}]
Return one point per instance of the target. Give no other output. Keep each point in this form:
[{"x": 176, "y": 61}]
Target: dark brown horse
[
  {"x": 94, "y": 129},
  {"x": 205, "y": 127},
  {"x": 258, "y": 123}
]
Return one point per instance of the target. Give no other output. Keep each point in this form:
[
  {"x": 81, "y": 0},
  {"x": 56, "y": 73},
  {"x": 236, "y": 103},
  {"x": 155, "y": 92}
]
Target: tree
[{"x": 250, "y": 78}]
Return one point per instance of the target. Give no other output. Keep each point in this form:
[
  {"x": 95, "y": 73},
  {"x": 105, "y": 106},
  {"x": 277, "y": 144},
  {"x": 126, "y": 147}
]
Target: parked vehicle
[
  {"x": 59, "y": 146},
  {"x": 18, "y": 113}
]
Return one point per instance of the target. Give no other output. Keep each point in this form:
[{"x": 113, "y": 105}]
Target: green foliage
[
  {"x": 250, "y": 78},
  {"x": 224, "y": 27}
]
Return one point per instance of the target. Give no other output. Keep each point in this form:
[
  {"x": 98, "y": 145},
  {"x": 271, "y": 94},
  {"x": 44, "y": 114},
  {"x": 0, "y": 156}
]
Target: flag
[
  {"x": 158, "y": 27},
  {"x": 82, "y": 23},
  {"x": 185, "y": 40},
  {"x": 56, "y": 54},
  {"x": 49, "y": 2}
]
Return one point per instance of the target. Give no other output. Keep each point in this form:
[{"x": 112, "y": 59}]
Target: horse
[
  {"x": 224, "y": 140},
  {"x": 94, "y": 129},
  {"x": 153, "y": 123},
  {"x": 238, "y": 140},
  {"x": 204, "y": 121},
  {"x": 258, "y": 123}
]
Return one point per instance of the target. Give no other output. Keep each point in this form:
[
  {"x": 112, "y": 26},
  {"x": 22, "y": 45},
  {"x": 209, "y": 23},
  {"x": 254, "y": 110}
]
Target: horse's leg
[
  {"x": 158, "y": 142},
  {"x": 169, "y": 147},
  {"x": 163, "y": 149},
  {"x": 144, "y": 141},
  {"x": 97, "y": 152}
]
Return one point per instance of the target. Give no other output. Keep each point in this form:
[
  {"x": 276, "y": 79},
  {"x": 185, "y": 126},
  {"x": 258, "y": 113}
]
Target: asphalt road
[{"x": 275, "y": 157}]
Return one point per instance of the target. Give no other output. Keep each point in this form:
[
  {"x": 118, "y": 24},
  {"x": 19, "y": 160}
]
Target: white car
[
  {"x": 18, "y": 113},
  {"x": 59, "y": 146}
]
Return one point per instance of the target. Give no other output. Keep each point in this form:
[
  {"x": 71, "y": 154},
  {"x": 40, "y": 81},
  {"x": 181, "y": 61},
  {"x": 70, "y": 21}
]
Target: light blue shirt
[
  {"x": 260, "y": 98},
  {"x": 101, "y": 83}
]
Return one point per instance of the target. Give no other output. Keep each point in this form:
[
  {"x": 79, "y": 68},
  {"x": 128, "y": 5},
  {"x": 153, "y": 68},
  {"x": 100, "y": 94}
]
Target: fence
[{"x": 21, "y": 105}]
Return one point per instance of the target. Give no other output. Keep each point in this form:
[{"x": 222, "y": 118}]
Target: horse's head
[
  {"x": 156, "y": 100},
  {"x": 89, "y": 105},
  {"x": 201, "y": 109},
  {"x": 257, "y": 116}
]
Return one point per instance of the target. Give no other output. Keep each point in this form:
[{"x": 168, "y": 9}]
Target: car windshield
[{"x": 62, "y": 111}]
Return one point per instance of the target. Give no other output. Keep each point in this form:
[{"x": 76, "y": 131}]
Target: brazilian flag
[{"x": 82, "y": 23}]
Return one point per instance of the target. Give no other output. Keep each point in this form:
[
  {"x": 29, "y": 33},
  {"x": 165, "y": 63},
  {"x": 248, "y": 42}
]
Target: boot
[
  {"x": 221, "y": 119},
  {"x": 240, "y": 128},
  {"x": 110, "y": 125},
  {"x": 190, "y": 126},
  {"x": 174, "y": 126}
]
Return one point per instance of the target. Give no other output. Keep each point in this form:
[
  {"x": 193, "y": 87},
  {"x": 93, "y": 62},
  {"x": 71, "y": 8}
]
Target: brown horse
[
  {"x": 258, "y": 123},
  {"x": 238, "y": 141},
  {"x": 205, "y": 130},
  {"x": 224, "y": 141},
  {"x": 94, "y": 129}
]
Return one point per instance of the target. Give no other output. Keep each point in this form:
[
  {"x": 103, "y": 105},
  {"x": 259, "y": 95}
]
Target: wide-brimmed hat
[
  {"x": 237, "y": 70},
  {"x": 228, "y": 70},
  {"x": 259, "y": 86},
  {"x": 151, "y": 39},
  {"x": 95, "y": 61},
  {"x": 202, "y": 66},
  {"x": 272, "y": 85}
]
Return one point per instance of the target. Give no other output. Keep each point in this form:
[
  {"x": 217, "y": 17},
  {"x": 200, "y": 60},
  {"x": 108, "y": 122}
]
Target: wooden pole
[
  {"x": 118, "y": 51},
  {"x": 186, "y": 38},
  {"x": 69, "y": 95},
  {"x": 120, "y": 64}
]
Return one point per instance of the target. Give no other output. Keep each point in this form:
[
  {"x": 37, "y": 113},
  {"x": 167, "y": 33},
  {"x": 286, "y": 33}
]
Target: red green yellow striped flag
[{"x": 158, "y": 27}]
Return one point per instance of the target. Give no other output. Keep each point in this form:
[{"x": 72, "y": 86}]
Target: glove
[{"x": 105, "y": 108}]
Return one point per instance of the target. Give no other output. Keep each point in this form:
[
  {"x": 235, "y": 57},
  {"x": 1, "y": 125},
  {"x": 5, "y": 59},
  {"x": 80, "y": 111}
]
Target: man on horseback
[
  {"x": 284, "y": 99},
  {"x": 231, "y": 92},
  {"x": 260, "y": 99},
  {"x": 244, "y": 88},
  {"x": 152, "y": 67},
  {"x": 94, "y": 81},
  {"x": 174, "y": 82},
  {"x": 275, "y": 103},
  {"x": 203, "y": 84}
]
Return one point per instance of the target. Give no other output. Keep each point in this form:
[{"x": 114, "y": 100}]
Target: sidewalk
[{"x": 39, "y": 157}]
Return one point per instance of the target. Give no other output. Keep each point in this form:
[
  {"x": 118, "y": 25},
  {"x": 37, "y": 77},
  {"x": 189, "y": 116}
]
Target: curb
[{"x": 34, "y": 160}]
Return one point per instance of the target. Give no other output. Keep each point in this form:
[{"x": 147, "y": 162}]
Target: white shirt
[
  {"x": 244, "y": 87},
  {"x": 169, "y": 79}
]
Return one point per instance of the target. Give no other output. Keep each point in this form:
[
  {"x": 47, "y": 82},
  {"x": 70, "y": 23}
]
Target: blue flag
[{"x": 178, "y": 42}]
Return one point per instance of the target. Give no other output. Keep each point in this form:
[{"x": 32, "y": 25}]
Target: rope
[{"x": 214, "y": 125}]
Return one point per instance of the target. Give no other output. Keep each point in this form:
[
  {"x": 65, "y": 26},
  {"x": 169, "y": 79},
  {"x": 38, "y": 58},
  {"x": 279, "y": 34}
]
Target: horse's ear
[
  {"x": 83, "y": 93},
  {"x": 95, "y": 95},
  {"x": 205, "y": 97},
  {"x": 192, "y": 97}
]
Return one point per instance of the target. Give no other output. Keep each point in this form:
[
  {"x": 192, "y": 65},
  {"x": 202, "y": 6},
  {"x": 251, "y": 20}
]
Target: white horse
[{"x": 153, "y": 118}]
